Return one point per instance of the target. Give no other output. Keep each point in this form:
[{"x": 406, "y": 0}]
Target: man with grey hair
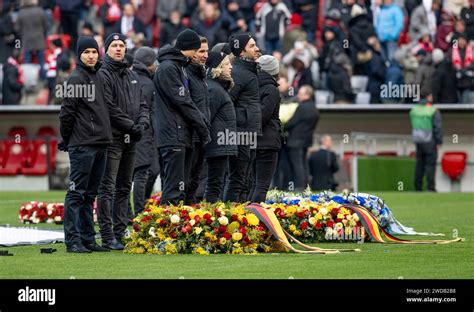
[{"x": 322, "y": 166}]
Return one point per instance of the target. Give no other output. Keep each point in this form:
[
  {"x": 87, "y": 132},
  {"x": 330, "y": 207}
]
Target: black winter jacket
[
  {"x": 199, "y": 93},
  {"x": 246, "y": 97},
  {"x": 301, "y": 126},
  {"x": 223, "y": 120},
  {"x": 271, "y": 126},
  {"x": 85, "y": 120},
  {"x": 176, "y": 114},
  {"x": 11, "y": 88},
  {"x": 123, "y": 96},
  {"x": 146, "y": 148}
]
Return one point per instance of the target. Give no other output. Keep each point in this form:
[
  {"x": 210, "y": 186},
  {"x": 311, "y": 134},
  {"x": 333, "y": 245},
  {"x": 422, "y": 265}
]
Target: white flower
[
  {"x": 175, "y": 219},
  {"x": 349, "y": 217},
  {"x": 323, "y": 211},
  {"x": 339, "y": 225},
  {"x": 35, "y": 220},
  {"x": 50, "y": 207},
  {"x": 192, "y": 222},
  {"x": 50, "y": 220},
  {"x": 312, "y": 221},
  {"x": 355, "y": 217},
  {"x": 223, "y": 220},
  {"x": 151, "y": 232},
  {"x": 57, "y": 218},
  {"x": 29, "y": 207}
]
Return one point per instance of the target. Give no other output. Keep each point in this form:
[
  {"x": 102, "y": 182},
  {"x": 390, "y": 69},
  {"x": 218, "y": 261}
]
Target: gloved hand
[
  {"x": 136, "y": 132},
  {"x": 206, "y": 140},
  {"x": 62, "y": 146}
]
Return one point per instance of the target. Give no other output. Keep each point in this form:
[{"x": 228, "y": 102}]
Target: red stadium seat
[
  {"x": 454, "y": 164},
  {"x": 387, "y": 153},
  {"x": 38, "y": 159},
  {"x": 350, "y": 154},
  {"x": 412, "y": 154},
  {"x": 14, "y": 158}
]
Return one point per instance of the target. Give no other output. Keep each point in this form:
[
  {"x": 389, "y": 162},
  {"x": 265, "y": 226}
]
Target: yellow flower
[
  {"x": 233, "y": 226},
  {"x": 297, "y": 233},
  {"x": 192, "y": 214},
  {"x": 339, "y": 225},
  {"x": 340, "y": 216},
  {"x": 222, "y": 241},
  {"x": 208, "y": 235},
  {"x": 348, "y": 230},
  {"x": 201, "y": 251},
  {"x": 345, "y": 222},
  {"x": 237, "y": 236},
  {"x": 355, "y": 217},
  {"x": 198, "y": 230},
  {"x": 171, "y": 249},
  {"x": 292, "y": 227},
  {"x": 252, "y": 219},
  {"x": 318, "y": 216}
]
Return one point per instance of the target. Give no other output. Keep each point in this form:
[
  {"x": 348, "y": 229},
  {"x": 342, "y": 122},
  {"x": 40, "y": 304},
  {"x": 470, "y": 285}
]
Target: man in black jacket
[
  {"x": 300, "y": 130},
  {"x": 199, "y": 94},
  {"x": 269, "y": 143},
  {"x": 86, "y": 133},
  {"x": 129, "y": 118},
  {"x": 146, "y": 160},
  {"x": 176, "y": 114},
  {"x": 246, "y": 100},
  {"x": 12, "y": 80},
  {"x": 322, "y": 166}
]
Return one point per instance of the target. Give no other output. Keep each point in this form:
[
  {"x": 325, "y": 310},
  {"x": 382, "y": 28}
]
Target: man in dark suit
[{"x": 322, "y": 166}]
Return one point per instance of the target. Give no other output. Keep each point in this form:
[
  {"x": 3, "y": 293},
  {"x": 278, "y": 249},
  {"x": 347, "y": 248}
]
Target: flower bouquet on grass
[{"x": 41, "y": 212}]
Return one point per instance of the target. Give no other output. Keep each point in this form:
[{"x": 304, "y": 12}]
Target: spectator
[
  {"x": 461, "y": 55},
  {"x": 346, "y": 10},
  {"x": 376, "y": 70},
  {"x": 308, "y": 9},
  {"x": 467, "y": 15},
  {"x": 339, "y": 79},
  {"x": 12, "y": 80},
  {"x": 145, "y": 13},
  {"x": 294, "y": 32},
  {"x": 70, "y": 12},
  {"x": 146, "y": 161},
  {"x": 222, "y": 119},
  {"x": 360, "y": 29},
  {"x": 300, "y": 130},
  {"x": 269, "y": 144},
  {"x": 424, "y": 43},
  {"x": 32, "y": 26},
  {"x": 164, "y": 8},
  {"x": 424, "y": 74},
  {"x": 333, "y": 22},
  {"x": 246, "y": 7},
  {"x": 459, "y": 28},
  {"x": 428, "y": 137},
  {"x": 210, "y": 23},
  {"x": 7, "y": 33},
  {"x": 444, "y": 83},
  {"x": 323, "y": 165},
  {"x": 299, "y": 60},
  {"x": 128, "y": 25},
  {"x": 236, "y": 16},
  {"x": 54, "y": 50},
  {"x": 331, "y": 48},
  {"x": 444, "y": 31},
  {"x": 271, "y": 19},
  {"x": 170, "y": 28},
  {"x": 389, "y": 25},
  {"x": 423, "y": 19},
  {"x": 87, "y": 30},
  {"x": 454, "y": 7},
  {"x": 394, "y": 76},
  {"x": 111, "y": 13}
]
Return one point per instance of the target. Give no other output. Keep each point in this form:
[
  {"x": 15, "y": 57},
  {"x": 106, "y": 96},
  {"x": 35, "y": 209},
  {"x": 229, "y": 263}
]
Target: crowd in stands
[{"x": 423, "y": 43}]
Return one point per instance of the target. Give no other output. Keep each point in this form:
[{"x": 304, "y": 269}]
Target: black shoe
[
  {"x": 78, "y": 249},
  {"x": 96, "y": 248},
  {"x": 113, "y": 245}
]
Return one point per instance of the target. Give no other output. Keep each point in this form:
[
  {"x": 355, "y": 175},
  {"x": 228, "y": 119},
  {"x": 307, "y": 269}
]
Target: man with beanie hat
[
  {"x": 129, "y": 118},
  {"x": 199, "y": 94},
  {"x": 146, "y": 160},
  {"x": 269, "y": 144},
  {"x": 177, "y": 115},
  {"x": 86, "y": 132},
  {"x": 246, "y": 100}
]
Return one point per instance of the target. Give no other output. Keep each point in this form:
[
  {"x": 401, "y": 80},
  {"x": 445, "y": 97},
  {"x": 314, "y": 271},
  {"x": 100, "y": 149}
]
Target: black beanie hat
[
  {"x": 238, "y": 42},
  {"x": 188, "y": 40},
  {"x": 86, "y": 42},
  {"x": 112, "y": 37},
  {"x": 222, "y": 47},
  {"x": 214, "y": 59}
]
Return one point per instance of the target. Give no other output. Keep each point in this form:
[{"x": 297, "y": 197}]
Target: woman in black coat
[
  {"x": 223, "y": 124},
  {"x": 269, "y": 144}
]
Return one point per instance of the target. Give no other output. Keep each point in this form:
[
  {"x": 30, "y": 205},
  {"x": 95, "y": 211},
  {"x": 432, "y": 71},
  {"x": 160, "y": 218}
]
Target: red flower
[
  {"x": 196, "y": 219},
  {"x": 304, "y": 225},
  {"x": 207, "y": 216},
  {"x": 227, "y": 235},
  {"x": 234, "y": 218},
  {"x": 145, "y": 219},
  {"x": 217, "y": 213},
  {"x": 136, "y": 228},
  {"x": 173, "y": 235},
  {"x": 277, "y": 211},
  {"x": 208, "y": 221},
  {"x": 318, "y": 225},
  {"x": 222, "y": 228},
  {"x": 330, "y": 223},
  {"x": 163, "y": 223},
  {"x": 244, "y": 221},
  {"x": 183, "y": 213},
  {"x": 243, "y": 230},
  {"x": 338, "y": 220},
  {"x": 247, "y": 239},
  {"x": 335, "y": 211}
]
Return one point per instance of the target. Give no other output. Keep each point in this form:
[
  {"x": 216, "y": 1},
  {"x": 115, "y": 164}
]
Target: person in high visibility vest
[{"x": 428, "y": 136}]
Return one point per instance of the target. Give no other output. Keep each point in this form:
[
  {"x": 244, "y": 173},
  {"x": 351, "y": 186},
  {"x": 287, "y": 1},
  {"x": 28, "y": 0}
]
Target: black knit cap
[
  {"x": 86, "y": 42},
  {"x": 112, "y": 37},
  {"x": 238, "y": 42},
  {"x": 188, "y": 39},
  {"x": 222, "y": 47},
  {"x": 214, "y": 59}
]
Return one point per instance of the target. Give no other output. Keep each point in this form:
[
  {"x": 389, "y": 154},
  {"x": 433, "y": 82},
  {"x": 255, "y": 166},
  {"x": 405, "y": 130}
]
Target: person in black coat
[
  {"x": 360, "y": 29},
  {"x": 245, "y": 95},
  {"x": 223, "y": 123},
  {"x": 86, "y": 132},
  {"x": 177, "y": 115},
  {"x": 322, "y": 166},
  {"x": 269, "y": 144},
  {"x": 12, "y": 84},
  {"x": 129, "y": 118},
  {"x": 339, "y": 79},
  {"x": 146, "y": 159},
  {"x": 170, "y": 28},
  {"x": 199, "y": 94},
  {"x": 445, "y": 83},
  {"x": 376, "y": 70},
  {"x": 300, "y": 130}
]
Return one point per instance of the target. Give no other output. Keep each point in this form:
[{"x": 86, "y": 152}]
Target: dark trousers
[
  {"x": 216, "y": 169},
  {"x": 176, "y": 165},
  {"x": 144, "y": 178},
  {"x": 197, "y": 161},
  {"x": 299, "y": 168},
  {"x": 239, "y": 170},
  {"x": 87, "y": 169},
  {"x": 263, "y": 169},
  {"x": 69, "y": 24},
  {"x": 114, "y": 191},
  {"x": 282, "y": 175},
  {"x": 426, "y": 155}
]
